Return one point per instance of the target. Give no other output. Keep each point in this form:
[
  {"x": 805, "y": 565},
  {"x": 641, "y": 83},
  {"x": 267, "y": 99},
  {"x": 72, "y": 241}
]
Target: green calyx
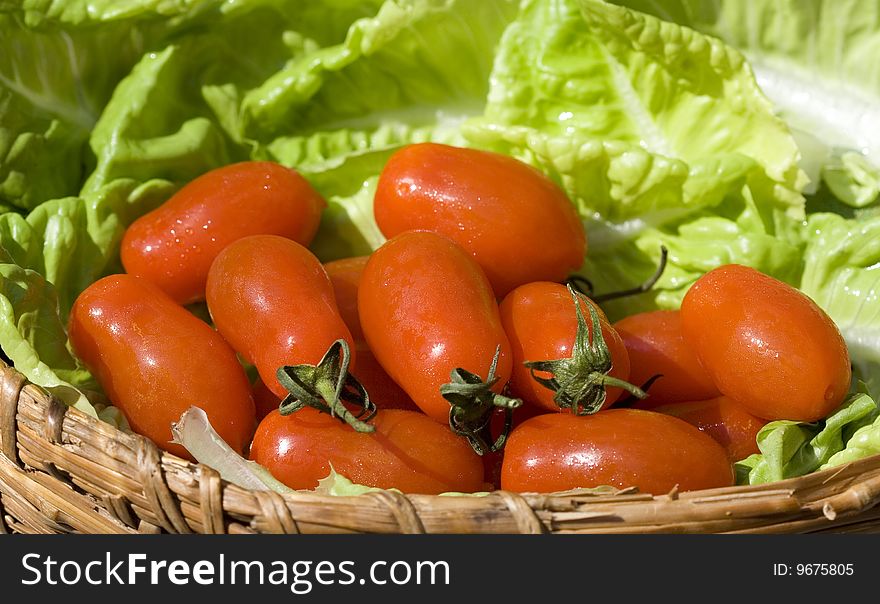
[
  {"x": 579, "y": 381},
  {"x": 328, "y": 387},
  {"x": 472, "y": 405}
]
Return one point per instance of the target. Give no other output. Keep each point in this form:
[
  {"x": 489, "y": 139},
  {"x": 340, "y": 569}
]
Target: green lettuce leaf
[
  {"x": 863, "y": 443},
  {"x": 852, "y": 179},
  {"x": 659, "y": 135},
  {"x": 93, "y": 12},
  {"x": 637, "y": 118},
  {"x": 73, "y": 241},
  {"x": 403, "y": 65},
  {"x": 175, "y": 115},
  {"x": 49, "y": 257},
  {"x": 34, "y": 339},
  {"x": 53, "y": 85},
  {"x": 347, "y": 227},
  {"x": 338, "y": 485},
  {"x": 842, "y": 274},
  {"x": 791, "y": 448},
  {"x": 816, "y": 60}
]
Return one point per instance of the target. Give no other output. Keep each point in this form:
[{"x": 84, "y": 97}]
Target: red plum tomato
[
  {"x": 517, "y": 223},
  {"x": 154, "y": 360},
  {"x": 426, "y": 308},
  {"x": 273, "y": 302},
  {"x": 173, "y": 246},
  {"x": 616, "y": 447},
  {"x": 766, "y": 345},
  {"x": 408, "y": 451}
]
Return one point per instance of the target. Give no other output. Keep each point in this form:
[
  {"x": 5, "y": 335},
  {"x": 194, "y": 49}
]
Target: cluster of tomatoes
[{"x": 453, "y": 358}]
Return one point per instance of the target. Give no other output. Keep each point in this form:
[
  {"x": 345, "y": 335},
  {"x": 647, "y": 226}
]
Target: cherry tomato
[
  {"x": 408, "y": 451},
  {"x": 173, "y": 246},
  {"x": 265, "y": 400},
  {"x": 766, "y": 345},
  {"x": 488, "y": 203},
  {"x": 656, "y": 346},
  {"x": 727, "y": 422},
  {"x": 273, "y": 302},
  {"x": 345, "y": 275},
  {"x": 426, "y": 308},
  {"x": 541, "y": 321},
  {"x": 154, "y": 360},
  {"x": 616, "y": 447}
]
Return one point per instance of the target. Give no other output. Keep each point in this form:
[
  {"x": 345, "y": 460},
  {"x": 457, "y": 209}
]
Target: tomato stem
[
  {"x": 640, "y": 289},
  {"x": 328, "y": 387},
  {"x": 472, "y": 405},
  {"x": 579, "y": 382},
  {"x": 631, "y": 400},
  {"x": 584, "y": 286},
  {"x": 581, "y": 284}
]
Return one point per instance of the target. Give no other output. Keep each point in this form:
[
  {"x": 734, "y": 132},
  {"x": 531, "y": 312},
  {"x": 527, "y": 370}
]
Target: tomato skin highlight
[
  {"x": 273, "y": 302},
  {"x": 408, "y": 451},
  {"x": 726, "y": 421},
  {"x": 488, "y": 203},
  {"x": 427, "y": 308},
  {"x": 766, "y": 345},
  {"x": 616, "y": 447},
  {"x": 655, "y": 345},
  {"x": 345, "y": 274},
  {"x": 173, "y": 246},
  {"x": 541, "y": 322},
  {"x": 154, "y": 360}
]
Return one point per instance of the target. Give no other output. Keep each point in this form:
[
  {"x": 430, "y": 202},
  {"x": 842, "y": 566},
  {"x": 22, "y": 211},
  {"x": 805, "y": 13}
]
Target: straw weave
[{"x": 62, "y": 471}]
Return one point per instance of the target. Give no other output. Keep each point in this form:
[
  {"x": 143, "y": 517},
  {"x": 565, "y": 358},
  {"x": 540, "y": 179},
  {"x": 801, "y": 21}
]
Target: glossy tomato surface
[
  {"x": 516, "y": 222},
  {"x": 541, "y": 321},
  {"x": 154, "y": 360},
  {"x": 408, "y": 451},
  {"x": 616, "y": 447},
  {"x": 766, "y": 345},
  {"x": 345, "y": 274},
  {"x": 273, "y": 302},
  {"x": 173, "y": 246},
  {"x": 656, "y": 345},
  {"x": 426, "y": 308},
  {"x": 726, "y": 421}
]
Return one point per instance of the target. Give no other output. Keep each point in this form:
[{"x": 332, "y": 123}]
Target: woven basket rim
[{"x": 46, "y": 445}]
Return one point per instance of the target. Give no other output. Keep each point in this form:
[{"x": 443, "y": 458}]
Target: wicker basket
[{"x": 62, "y": 471}]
